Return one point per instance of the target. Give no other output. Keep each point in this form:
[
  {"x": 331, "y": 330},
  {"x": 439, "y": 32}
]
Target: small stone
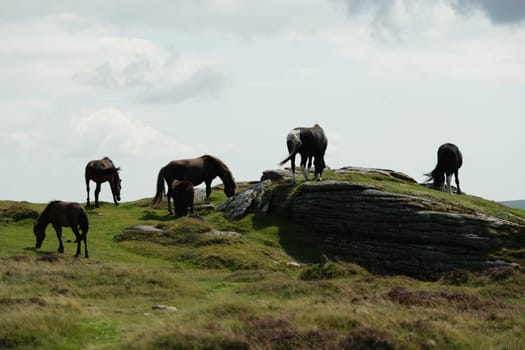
[
  {"x": 293, "y": 264},
  {"x": 164, "y": 307}
]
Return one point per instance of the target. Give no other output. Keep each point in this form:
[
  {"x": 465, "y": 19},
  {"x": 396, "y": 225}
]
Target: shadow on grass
[
  {"x": 300, "y": 242},
  {"x": 45, "y": 256},
  {"x": 151, "y": 215}
]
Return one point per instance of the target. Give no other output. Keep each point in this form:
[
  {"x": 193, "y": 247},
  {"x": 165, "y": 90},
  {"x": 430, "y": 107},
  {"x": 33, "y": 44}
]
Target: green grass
[{"x": 239, "y": 292}]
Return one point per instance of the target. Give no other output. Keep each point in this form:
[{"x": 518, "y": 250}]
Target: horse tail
[
  {"x": 292, "y": 154},
  {"x": 160, "y": 186},
  {"x": 436, "y": 176}
]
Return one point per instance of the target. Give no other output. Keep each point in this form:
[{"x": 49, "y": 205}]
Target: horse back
[
  {"x": 313, "y": 140},
  {"x": 193, "y": 170},
  {"x": 100, "y": 170},
  {"x": 65, "y": 214},
  {"x": 450, "y": 158}
]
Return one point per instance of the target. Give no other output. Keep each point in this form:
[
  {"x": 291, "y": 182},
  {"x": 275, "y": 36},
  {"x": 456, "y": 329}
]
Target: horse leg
[
  {"x": 309, "y": 165},
  {"x": 169, "y": 196},
  {"x": 97, "y": 191},
  {"x": 318, "y": 167},
  {"x": 78, "y": 240},
  {"x": 87, "y": 190},
  {"x": 85, "y": 245},
  {"x": 449, "y": 180},
  {"x": 457, "y": 182},
  {"x": 306, "y": 170},
  {"x": 58, "y": 230},
  {"x": 293, "y": 169},
  {"x": 208, "y": 191}
]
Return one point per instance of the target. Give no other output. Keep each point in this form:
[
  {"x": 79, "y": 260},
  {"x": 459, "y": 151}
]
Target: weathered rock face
[
  {"x": 400, "y": 233},
  {"x": 251, "y": 200}
]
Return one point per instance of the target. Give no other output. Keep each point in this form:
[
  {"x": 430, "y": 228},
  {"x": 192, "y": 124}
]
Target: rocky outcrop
[
  {"x": 400, "y": 233},
  {"x": 388, "y": 232},
  {"x": 286, "y": 174},
  {"x": 251, "y": 200}
]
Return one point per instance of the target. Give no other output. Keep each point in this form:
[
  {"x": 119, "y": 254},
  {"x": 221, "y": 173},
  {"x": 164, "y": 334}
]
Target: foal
[{"x": 183, "y": 194}]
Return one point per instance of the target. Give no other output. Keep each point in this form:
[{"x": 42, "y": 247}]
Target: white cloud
[
  {"x": 483, "y": 60},
  {"x": 111, "y": 131},
  {"x": 50, "y": 59},
  {"x": 203, "y": 83}
]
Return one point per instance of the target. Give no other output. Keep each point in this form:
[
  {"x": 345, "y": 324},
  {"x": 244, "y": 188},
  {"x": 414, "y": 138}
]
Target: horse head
[
  {"x": 225, "y": 175},
  {"x": 116, "y": 184},
  {"x": 40, "y": 235},
  {"x": 229, "y": 185}
]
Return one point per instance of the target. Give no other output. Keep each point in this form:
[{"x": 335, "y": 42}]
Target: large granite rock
[
  {"x": 251, "y": 200},
  {"x": 400, "y": 233}
]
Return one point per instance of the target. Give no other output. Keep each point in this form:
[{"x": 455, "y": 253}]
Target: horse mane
[{"x": 43, "y": 217}]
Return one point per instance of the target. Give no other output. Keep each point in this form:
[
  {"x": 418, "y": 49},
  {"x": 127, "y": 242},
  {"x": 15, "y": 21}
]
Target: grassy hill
[{"x": 268, "y": 287}]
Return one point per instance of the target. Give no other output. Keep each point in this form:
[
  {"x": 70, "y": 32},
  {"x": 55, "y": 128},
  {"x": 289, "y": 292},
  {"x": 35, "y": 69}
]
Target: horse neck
[
  {"x": 225, "y": 176},
  {"x": 43, "y": 219}
]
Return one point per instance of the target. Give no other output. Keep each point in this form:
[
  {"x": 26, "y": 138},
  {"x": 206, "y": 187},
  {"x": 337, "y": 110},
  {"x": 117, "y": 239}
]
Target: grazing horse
[
  {"x": 61, "y": 214},
  {"x": 183, "y": 195},
  {"x": 309, "y": 143},
  {"x": 100, "y": 171},
  {"x": 449, "y": 162},
  {"x": 197, "y": 170}
]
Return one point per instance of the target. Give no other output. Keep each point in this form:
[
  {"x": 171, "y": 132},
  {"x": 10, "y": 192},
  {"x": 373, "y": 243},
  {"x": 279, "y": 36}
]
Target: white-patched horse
[
  {"x": 310, "y": 143},
  {"x": 450, "y": 160}
]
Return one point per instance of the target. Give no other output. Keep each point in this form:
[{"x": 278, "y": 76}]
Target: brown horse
[
  {"x": 100, "y": 171},
  {"x": 61, "y": 214},
  {"x": 197, "y": 170},
  {"x": 183, "y": 195}
]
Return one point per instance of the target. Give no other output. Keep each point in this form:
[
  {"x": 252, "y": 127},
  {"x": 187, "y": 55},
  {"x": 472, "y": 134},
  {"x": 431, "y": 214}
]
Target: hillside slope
[{"x": 259, "y": 282}]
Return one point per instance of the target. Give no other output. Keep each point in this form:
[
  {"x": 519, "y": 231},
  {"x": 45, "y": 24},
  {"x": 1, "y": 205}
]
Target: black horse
[
  {"x": 309, "y": 143},
  {"x": 183, "y": 194},
  {"x": 100, "y": 171},
  {"x": 59, "y": 214},
  {"x": 450, "y": 160},
  {"x": 197, "y": 170}
]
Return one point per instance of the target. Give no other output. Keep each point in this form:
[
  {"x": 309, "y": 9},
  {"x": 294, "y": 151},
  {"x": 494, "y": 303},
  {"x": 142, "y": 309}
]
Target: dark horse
[
  {"x": 309, "y": 143},
  {"x": 197, "y": 170},
  {"x": 100, "y": 171},
  {"x": 449, "y": 162},
  {"x": 61, "y": 214},
  {"x": 183, "y": 195}
]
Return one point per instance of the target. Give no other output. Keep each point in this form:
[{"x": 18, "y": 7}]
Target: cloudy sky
[{"x": 146, "y": 82}]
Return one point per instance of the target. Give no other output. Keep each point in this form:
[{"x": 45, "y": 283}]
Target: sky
[{"x": 146, "y": 82}]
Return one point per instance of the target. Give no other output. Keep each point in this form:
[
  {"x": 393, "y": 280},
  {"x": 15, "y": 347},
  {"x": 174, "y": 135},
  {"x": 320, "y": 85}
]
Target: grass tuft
[{"x": 330, "y": 270}]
